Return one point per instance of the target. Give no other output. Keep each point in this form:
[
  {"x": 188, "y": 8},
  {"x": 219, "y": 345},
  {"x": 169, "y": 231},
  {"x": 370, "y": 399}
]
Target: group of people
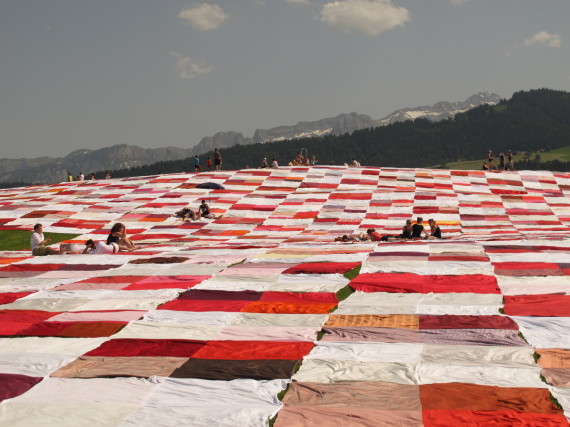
[
  {"x": 410, "y": 231},
  {"x": 202, "y": 212},
  {"x": 301, "y": 160},
  {"x": 264, "y": 164},
  {"x": 117, "y": 240},
  {"x": 81, "y": 176},
  {"x": 506, "y": 163},
  {"x": 217, "y": 164}
]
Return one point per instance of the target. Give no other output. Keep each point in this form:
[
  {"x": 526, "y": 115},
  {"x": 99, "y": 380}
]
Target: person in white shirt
[
  {"x": 100, "y": 248},
  {"x": 80, "y": 177},
  {"x": 274, "y": 164},
  {"x": 38, "y": 243}
]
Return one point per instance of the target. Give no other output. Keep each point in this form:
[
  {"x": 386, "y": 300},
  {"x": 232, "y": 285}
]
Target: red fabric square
[
  {"x": 254, "y": 350},
  {"x": 147, "y": 347},
  {"x": 7, "y": 298},
  {"x": 322, "y": 268},
  {"x": 467, "y": 322},
  {"x": 537, "y": 305},
  {"x": 12, "y": 385},
  {"x": 417, "y": 283},
  {"x": 204, "y": 305}
]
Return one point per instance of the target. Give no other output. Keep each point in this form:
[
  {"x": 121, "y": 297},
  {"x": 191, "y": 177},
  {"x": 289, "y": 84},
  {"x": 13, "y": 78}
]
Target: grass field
[
  {"x": 562, "y": 154},
  {"x": 17, "y": 240}
]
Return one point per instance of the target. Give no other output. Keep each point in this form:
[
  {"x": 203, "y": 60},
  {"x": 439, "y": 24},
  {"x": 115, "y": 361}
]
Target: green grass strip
[{"x": 19, "y": 240}]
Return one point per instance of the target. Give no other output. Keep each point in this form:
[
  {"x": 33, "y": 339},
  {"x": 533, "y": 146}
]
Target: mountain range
[{"x": 44, "y": 170}]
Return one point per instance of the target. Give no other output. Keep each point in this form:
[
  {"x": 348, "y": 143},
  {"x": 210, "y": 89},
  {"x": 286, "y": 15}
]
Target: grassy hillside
[{"x": 562, "y": 154}]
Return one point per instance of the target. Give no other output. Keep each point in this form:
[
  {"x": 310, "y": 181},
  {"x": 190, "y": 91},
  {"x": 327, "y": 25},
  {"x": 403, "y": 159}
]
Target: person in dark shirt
[
  {"x": 418, "y": 229},
  {"x": 490, "y": 159},
  {"x": 510, "y": 161},
  {"x": 407, "y": 230},
  {"x": 434, "y": 228},
  {"x": 118, "y": 235},
  {"x": 204, "y": 209},
  {"x": 502, "y": 161}
]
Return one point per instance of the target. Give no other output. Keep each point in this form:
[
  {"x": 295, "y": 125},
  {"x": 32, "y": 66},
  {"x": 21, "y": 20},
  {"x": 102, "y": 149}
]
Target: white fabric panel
[
  {"x": 272, "y": 333},
  {"x": 466, "y": 355},
  {"x": 486, "y": 374},
  {"x": 38, "y": 357},
  {"x": 168, "y": 331},
  {"x": 76, "y": 402},
  {"x": 214, "y": 318},
  {"x": 272, "y": 319},
  {"x": 328, "y": 371},
  {"x": 47, "y": 304},
  {"x": 367, "y": 352},
  {"x": 309, "y": 283},
  {"x": 525, "y": 285},
  {"x": 192, "y": 402},
  {"x": 545, "y": 332},
  {"x": 460, "y": 304}
]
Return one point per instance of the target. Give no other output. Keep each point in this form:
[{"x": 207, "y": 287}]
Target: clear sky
[{"x": 80, "y": 74}]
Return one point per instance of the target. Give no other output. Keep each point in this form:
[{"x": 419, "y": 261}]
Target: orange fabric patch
[
  {"x": 402, "y": 321},
  {"x": 288, "y": 308},
  {"x": 472, "y": 398},
  {"x": 554, "y": 358}
]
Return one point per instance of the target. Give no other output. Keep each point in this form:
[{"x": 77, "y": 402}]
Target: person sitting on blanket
[
  {"x": 38, "y": 243},
  {"x": 118, "y": 235},
  {"x": 204, "y": 211},
  {"x": 435, "y": 231},
  {"x": 100, "y": 248},
  {"x": 406, "y": 233},
  {"x": 418, "y": 229}
]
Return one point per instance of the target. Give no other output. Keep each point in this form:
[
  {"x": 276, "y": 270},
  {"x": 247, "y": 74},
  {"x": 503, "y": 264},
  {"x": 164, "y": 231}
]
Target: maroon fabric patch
[{"x": 12, "y": 385}]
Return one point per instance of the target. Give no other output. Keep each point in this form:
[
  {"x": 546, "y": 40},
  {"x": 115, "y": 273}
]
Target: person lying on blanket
[
  {"x": 100, "y": 248},
  {"x": 186, "y": 214}
]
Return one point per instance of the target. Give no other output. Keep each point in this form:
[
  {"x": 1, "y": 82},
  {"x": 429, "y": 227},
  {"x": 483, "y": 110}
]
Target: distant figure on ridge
[
  {"x": 490, "y": 159},
  {"x": 264, "y": 163},
  {"x": 510, "y": 161},
  {"x": 69, "y": 177},
  {"x": 485, "y": 166},
  {"x": 196, "y": 163},
  {"x": 209, "y": 164},
  {"x": 274, "y": 164},
  {"x": 217, "y": 160},
  {"x": 502, "y": 161},
  {"x": 108, "y": 175},
  {"x": 80, "y": 177}
]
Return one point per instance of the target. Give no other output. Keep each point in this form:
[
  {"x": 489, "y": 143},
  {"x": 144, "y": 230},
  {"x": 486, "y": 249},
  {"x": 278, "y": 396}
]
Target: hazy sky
[{"x": 94, "y": 73}]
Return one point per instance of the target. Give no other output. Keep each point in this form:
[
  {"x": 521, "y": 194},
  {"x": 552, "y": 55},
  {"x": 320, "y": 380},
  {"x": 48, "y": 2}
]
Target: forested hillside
[{"x": 529, "y": 121}]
